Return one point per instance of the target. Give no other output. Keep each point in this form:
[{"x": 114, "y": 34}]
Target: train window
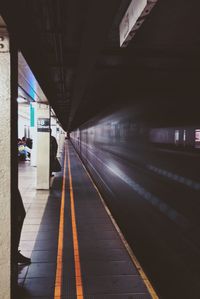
[
  {"x": 197, "y": 138},
  {"x": 184, "y": 136},
  {"x": 176, "y": 137}
]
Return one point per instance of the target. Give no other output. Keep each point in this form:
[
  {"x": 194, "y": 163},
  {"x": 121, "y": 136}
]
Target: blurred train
[
  {"x": 149, "y": 177},
  {"x": 122, "y": 131},
  {"x": 181, "y": 137}
]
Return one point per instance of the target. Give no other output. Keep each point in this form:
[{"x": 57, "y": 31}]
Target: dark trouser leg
[{"x": 20, "y": 215}]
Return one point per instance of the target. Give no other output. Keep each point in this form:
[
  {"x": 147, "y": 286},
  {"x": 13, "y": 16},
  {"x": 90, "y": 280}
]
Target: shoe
[{"x": 23, "y": 259}]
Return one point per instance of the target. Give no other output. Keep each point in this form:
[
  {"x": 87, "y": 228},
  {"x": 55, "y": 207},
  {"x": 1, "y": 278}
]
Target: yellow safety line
[
  {"x": 127, "y": 246},
  {"x": 79, "y": 285},
  {"x": 59, "y": 266}
]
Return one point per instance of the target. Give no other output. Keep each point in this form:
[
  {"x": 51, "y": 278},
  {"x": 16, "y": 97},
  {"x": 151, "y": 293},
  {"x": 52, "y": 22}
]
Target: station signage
[{"x": 43, "y": 125}]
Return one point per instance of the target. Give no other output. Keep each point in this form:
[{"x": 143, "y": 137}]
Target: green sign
[{"x": 32, "y": 116}]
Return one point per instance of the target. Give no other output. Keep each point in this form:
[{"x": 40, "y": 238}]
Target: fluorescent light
[
  {"x": 21, "y": 99},
  {"x": 133, "y": 19}
]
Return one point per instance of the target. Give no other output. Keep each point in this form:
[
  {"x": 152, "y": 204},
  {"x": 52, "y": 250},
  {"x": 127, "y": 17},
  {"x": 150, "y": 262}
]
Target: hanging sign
[{"x": 43, "y": 125}]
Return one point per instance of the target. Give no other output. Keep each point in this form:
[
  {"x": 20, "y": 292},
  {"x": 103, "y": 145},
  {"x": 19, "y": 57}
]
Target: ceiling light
[
  {"x": 133, "y": 19},
  {"x": 21, "y": 99}
]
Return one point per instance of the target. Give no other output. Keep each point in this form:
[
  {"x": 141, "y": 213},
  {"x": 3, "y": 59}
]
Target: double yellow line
[{"x": 59, "y": 269}]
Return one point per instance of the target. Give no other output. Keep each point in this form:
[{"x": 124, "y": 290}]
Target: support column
[
  {"x": 8, "y": 156},
  {"x": 53, "y": 126},
  {"x": 58, "y": 137},
  {"x": 61, "y": 140},
  {"x": 43, "y": 146}
]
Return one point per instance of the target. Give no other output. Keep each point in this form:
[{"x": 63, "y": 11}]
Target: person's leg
[
  {"x": 21, "y": 213},
  {"x": 51, "y": 166}
]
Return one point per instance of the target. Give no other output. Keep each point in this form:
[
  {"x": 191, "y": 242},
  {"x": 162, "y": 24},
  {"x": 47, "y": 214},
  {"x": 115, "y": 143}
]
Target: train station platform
[{"x": 76, "y": 248}]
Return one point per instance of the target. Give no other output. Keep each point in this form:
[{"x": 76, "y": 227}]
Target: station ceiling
[{"x": 72, "y": 47}]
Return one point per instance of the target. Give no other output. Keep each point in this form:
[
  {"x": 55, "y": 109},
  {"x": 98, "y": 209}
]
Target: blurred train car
[
  {"x": 152, "y": 192},
  {"x": 180, "y": 137}
]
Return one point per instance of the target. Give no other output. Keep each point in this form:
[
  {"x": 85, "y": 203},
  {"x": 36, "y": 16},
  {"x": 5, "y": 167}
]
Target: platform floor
[{"x": 75, "y": 248}]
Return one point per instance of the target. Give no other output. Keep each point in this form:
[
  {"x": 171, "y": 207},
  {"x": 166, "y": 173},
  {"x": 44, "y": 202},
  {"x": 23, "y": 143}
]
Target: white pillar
[
  {"x": 5, "y": 164},
  {"x": 58, "y": 137},
  {"x": 53, "y": 126},
  {"x": 43, "y": 146},
  {"x": 62, "y": 140}
]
